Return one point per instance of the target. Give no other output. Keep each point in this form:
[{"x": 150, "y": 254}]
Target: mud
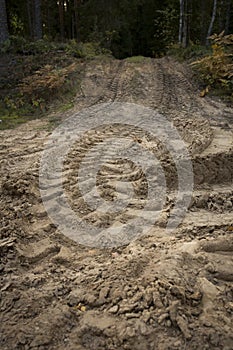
[{"x": 158, "y": 292}]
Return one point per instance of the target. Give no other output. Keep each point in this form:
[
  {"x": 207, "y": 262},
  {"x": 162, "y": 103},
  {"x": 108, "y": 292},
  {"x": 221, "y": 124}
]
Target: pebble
[
  {"x": 162, "y": 317},
  {"x": 113, "y": 309},
  {"x": 177, "y": 343},
  {"x": 132, "y": 315}
]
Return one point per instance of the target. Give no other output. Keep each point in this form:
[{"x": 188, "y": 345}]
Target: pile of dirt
[{"x": 158, "y": 292}]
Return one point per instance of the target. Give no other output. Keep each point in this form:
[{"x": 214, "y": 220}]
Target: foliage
[
  {"x": 87, "y": 50},
  {"x": 217, "y": 67},
  {"x": 16, "y": 24},
  {"x": 126, "y": 27},
  {"x": 192, "y": 52},
  {"x": 165, "y": 35},
  {"x": 41, "y": 85},
  {"x": 32, "y": 85},
  {"x": 20, "y": 45}
]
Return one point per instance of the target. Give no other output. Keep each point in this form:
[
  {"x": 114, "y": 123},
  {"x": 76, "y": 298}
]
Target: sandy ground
[{"x": 157, "y": 292}]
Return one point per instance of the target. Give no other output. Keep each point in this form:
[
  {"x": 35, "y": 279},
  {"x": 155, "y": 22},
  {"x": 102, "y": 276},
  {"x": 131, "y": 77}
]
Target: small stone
[
  {"x": 113, "y": 309},
  {"x": 104, "y": 293},
  {"x": 162, "y": 317},
  {"x": 142, "y": 327},
  {"x": 146, "y": 316},
  {"x": 132, "y": 315},
  {"x": 210, "y": 268},
  {"x": 182, "y": 324},
  {"x": 177, "y": 344}
]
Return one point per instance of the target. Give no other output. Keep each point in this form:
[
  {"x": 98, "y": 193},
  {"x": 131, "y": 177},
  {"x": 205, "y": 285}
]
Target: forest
[
  {"x": 46, "y": 41},
  {"x": 125, "y": 27}
]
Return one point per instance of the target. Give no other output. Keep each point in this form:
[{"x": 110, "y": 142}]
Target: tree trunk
[
  {"x": 185, "y": 25},
  {"x": 181, "y": 21},
  {"x": 37, "y": 25},
  {"x": 221, "y": 12},
  {"x": 61, "y": 16},
  {"x": 76, "y": 18},
  {"x": 228, "y": 15},
  {"x": 184, "y": 19},
  {"x": 29, "y": 14},
  {"x": 211, "y": 22},
  {"x": 203, "y": 22},
  {"x": 4, "y": 33}
]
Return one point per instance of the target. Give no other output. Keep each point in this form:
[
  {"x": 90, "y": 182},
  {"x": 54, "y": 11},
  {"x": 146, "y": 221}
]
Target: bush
[
  {"x": 20, "y": 45},
  {"x": 41, "y": 85},
  {"x": 193, "y": 51},
  {"x": 85, "y": 50},
  {"x": 217, "y": 68}
]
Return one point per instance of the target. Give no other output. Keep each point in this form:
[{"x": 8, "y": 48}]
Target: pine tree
[
  {"x": 37, "y": 24},
  {"x": 4, "y": 33}
]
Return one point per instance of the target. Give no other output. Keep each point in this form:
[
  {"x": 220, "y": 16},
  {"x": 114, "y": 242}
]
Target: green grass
[
  {"x": 136, "y": 59},
  {"x": 12, "y": 120},
  {"x": 65, "y": 107}
]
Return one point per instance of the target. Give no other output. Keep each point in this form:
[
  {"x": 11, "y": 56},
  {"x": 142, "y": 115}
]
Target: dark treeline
[{"x": 126, "y": 27}]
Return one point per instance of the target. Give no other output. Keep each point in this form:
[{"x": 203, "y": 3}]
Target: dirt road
[{"x": 158, "y": 292}]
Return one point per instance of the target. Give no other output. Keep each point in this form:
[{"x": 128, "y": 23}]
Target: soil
[{"x": 157, "y": 292}]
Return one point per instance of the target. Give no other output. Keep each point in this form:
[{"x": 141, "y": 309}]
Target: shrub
[
  {"x": 217, "y": 68},
  {"x": 192, "y": 52},
  {"x": 87, "y": 50},
  {"x": 46, "y": 81}
]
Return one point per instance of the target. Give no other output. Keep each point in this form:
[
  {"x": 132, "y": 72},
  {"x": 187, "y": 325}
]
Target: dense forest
[{"x": 126, "y": 27}]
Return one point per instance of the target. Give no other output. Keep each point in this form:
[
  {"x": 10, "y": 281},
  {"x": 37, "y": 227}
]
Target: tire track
[{"x": 56, "y": 293}]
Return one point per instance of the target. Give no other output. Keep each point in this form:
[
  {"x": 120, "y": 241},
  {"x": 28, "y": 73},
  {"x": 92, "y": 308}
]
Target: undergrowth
[
  {"x": 36, "y": 77},
  {"x": 192, "y": 52},
  {"x": 216, "y": 68}
]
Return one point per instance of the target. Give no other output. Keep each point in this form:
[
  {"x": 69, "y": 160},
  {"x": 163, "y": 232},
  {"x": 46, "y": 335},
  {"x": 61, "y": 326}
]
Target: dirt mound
[{"x": 158, "y": 292}]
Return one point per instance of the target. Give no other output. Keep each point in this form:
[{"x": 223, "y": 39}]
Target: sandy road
[{"x": 158, "y": 292}]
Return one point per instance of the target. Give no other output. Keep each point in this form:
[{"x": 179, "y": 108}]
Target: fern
[
  {"x": 217, "y": 68},
  {"x": 44, "y": 82}
]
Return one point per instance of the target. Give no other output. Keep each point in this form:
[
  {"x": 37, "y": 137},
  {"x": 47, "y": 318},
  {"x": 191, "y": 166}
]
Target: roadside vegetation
[{"x": 40, "y": 77}]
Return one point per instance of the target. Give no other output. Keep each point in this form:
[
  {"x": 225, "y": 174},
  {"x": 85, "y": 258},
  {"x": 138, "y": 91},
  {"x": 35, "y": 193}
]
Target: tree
[
  {"x": 37, "y": 20},
  {"x": 4, "y": 33},
  {"x": 76, "y": 18},
  {"x": 211, "y": 22},
  {"x": 29, "y": 16},
  {"x": 126, "y": 27},
  {"x": 184, "y": 23},
  {"x": 228, "y": 16},
  {"x": 61, "y": 17},
  {"x": 181, "y": 21}
]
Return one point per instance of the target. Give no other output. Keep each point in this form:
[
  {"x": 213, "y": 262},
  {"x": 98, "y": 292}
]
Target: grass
[
  {"x": 136, "y": 59},
  {"x": 9, "y": 121}
]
